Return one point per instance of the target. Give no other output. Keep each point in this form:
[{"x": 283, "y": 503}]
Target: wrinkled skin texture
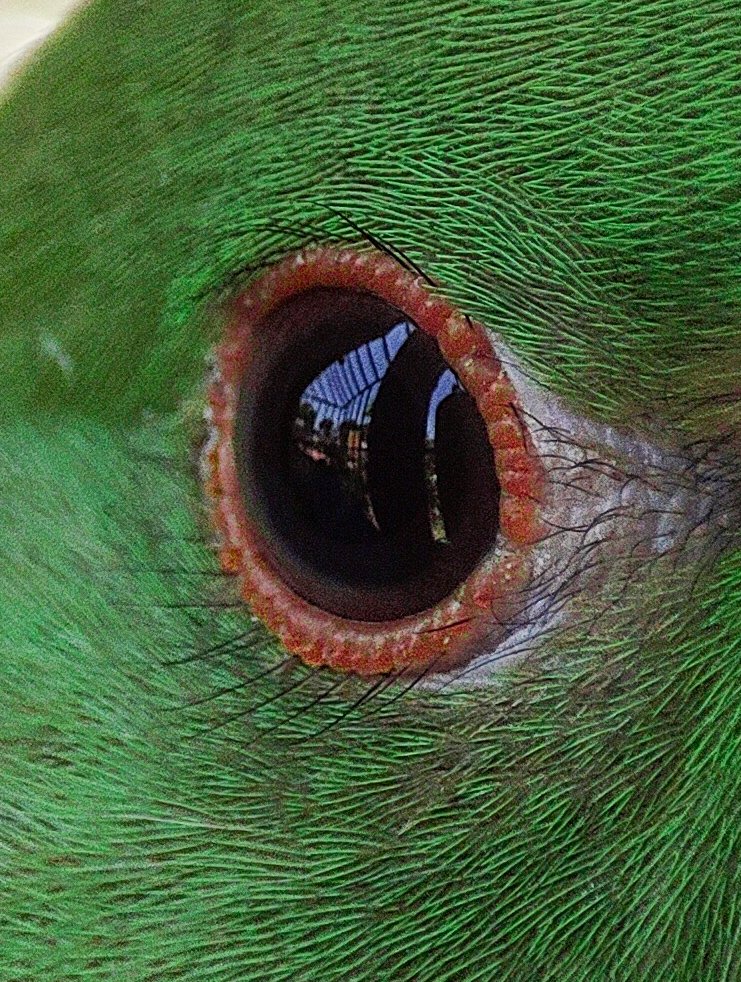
[{"x": 571, "y": 175}]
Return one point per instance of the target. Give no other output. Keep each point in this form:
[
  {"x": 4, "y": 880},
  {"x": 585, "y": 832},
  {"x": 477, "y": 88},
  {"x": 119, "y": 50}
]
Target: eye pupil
[{"x": 364, "y": 459}]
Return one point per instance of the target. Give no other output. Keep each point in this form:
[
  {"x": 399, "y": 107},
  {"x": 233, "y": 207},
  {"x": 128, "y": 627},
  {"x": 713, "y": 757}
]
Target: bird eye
[
  {"x": 372, "y": 483},
  {"x": 362, "y": 458}
]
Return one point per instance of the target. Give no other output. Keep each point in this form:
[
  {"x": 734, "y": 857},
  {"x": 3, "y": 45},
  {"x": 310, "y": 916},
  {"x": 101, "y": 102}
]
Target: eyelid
[{"x": 450, "y": 628}]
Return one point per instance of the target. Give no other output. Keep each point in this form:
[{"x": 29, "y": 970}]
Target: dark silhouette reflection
[{"x": 400, "y": 467}]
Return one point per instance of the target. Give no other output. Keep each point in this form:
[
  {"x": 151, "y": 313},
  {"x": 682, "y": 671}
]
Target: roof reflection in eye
[{"x": 335, "y": 425}]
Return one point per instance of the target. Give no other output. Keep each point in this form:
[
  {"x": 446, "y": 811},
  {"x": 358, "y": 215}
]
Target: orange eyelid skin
[{"x": 444, "y": 633}]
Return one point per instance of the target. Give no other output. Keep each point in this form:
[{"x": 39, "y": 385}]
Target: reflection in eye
[
  {"x": 373, "y": 484},
  {"x": 447, "y": 387},
  {"x": 379, "y": 460},
  {"x": 331, "y": 432}
]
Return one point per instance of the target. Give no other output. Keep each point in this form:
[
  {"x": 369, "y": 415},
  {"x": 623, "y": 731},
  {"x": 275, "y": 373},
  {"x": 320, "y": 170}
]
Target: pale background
[{"x": 23, "y": 25}]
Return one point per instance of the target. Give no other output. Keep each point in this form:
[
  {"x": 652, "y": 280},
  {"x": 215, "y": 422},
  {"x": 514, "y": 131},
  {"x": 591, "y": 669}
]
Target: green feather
[{"x": 174, "y": 806}]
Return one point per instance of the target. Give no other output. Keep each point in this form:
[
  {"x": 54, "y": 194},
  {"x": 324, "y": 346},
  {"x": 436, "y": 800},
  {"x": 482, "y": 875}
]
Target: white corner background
[{"x": 23, "y": 26}]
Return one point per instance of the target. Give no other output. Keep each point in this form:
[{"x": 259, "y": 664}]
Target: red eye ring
[{"x": 443, "y": 633}]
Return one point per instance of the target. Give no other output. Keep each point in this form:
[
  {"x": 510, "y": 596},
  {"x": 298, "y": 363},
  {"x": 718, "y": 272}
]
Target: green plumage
[{"x": 570, "y": 174}]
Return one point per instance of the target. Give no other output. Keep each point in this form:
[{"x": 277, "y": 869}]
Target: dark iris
[{"x": 362, "y": 459}]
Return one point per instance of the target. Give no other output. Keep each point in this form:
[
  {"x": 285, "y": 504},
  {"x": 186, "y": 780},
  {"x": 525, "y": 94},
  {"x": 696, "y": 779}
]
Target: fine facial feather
[{"x": 181, "y": 799}]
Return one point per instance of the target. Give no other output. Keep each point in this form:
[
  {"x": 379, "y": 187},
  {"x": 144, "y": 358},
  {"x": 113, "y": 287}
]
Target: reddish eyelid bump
[{"x": 447, "y": 631}]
